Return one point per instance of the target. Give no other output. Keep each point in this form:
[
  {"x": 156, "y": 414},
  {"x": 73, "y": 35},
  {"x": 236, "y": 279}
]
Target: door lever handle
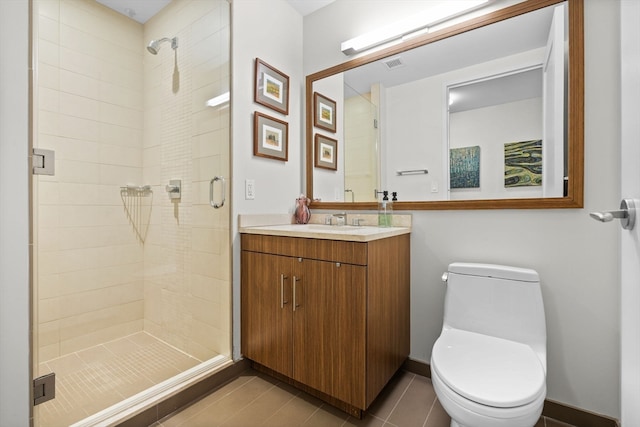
[{"x": 626, "y": 214}]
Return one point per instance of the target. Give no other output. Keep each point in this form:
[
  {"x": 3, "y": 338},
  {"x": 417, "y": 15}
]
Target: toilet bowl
[{"x": 488, "y": 367}]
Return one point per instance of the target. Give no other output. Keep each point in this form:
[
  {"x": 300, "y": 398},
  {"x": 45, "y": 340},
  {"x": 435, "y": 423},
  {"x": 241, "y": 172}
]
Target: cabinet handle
[
  {"x": 295, "y": 285},
  {"x": 282, "y": 301}
]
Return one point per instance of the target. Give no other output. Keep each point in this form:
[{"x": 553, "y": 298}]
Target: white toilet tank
[{"x": 496, "y": 300}]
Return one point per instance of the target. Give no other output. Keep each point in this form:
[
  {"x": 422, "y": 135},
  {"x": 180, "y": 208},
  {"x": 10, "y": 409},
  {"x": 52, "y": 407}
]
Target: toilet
[{"x": 489, "y": 364}]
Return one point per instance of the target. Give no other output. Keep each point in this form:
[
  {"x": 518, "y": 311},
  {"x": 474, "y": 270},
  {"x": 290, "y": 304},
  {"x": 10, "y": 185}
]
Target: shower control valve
[{"x": 174, "y": 189}]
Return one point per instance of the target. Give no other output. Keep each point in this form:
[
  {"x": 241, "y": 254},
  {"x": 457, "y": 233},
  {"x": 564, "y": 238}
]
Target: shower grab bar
[{"x": 214, "y": 204}]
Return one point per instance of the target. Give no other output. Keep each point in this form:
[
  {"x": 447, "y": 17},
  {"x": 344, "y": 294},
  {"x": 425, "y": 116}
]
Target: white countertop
[{"x": 331, "y": 232}]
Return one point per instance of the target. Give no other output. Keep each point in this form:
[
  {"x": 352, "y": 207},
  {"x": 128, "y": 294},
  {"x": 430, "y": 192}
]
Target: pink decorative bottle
[{"x": 302, "y": 213}]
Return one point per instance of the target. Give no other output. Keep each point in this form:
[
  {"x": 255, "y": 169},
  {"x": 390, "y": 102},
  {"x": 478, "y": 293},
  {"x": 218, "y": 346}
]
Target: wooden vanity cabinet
[{"x": 331, "y": 316}]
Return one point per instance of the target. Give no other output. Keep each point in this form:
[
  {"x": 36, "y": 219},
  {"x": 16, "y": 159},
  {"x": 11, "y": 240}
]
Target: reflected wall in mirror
[{"x": 511, "y": 76}]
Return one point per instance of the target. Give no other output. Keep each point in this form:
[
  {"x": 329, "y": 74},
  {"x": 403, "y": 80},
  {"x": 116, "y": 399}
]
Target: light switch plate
[{"x": 249, "y": 189}]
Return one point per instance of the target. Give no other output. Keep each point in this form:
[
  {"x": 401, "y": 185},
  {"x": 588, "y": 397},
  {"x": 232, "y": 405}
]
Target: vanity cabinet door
[
  {"x": 266, "y": 310},
  {"x": 329, "y": 329}
]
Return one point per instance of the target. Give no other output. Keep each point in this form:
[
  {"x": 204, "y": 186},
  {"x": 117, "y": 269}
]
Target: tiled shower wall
[
  {"x": 110, "y": 263},
  {"x": 187, "y": 253},
  {"x": 360, "y": 158}
]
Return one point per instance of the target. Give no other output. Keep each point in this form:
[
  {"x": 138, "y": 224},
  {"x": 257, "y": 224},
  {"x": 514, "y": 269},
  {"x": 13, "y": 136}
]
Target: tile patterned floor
[
  {"x": 94, "y": 379},
  {"x": 254, "y": 399}
]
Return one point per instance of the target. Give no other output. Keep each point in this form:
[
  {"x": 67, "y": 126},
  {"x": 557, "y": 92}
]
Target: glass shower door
[{"x": 131, "y": 277}]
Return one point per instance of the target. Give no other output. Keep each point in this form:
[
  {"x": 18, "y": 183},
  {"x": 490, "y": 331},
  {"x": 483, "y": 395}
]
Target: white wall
[
  {"x": 575, "y": 256},
  {"x": 415, "y": 131},
  {"x": 14, "y": 215},
  {"x": 516, "y": 122},
  {"x": 277, "y": 40}
]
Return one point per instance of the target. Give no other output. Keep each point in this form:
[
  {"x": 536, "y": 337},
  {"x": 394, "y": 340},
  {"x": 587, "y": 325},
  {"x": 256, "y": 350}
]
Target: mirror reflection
[{"x": 481, "y": 115}]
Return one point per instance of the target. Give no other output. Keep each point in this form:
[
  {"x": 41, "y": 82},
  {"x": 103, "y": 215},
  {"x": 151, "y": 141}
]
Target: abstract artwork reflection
[
  {"x": 523, "y": 163},
  {"x": 464, "y": 167}
]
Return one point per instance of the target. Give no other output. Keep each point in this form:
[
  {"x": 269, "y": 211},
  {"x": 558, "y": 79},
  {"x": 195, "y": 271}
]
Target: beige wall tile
[
  {"x": 120, "y": 175},
  {"x": 79, "y": 63},
  {"x": 79, "y": 84},
  {"x": 101, "y": 281},
  {"x": 48, "y": 310},
  {"x": 48, "y": 76},
  {"x": 48, "y": 100},
  {"x": 120, "y": 95},
  {"x": 48, "y": 123},
  {"x": 48, "y": 53},
  {"x": 73, "y": 171},
  {"x": 86, "y": 323},
  {"x": 121, "y": 116},
  {"x": 73, "y": 149},
  {"x": 119, "y": 135},
  {"x": 49, "y": 9},
  {"x": 48, "y": 29},
  {"x": 78, "y": 128},
  {"x": 79, "y": 106},
  {"x": 100, "y": 336},
  {"x": 118, "y": 155}
]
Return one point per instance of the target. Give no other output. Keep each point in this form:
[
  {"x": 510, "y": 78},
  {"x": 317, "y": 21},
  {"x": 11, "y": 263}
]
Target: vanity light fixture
[
  {"x": 418, "y": 23},
  {"x": 218, "y": 100}
]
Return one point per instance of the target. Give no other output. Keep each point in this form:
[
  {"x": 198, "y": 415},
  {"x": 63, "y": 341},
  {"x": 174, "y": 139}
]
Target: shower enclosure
[{"x": 131, "y": 255}]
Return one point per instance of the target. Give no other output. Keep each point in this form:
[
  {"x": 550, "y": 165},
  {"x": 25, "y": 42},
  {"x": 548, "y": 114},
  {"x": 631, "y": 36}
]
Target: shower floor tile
[{"x": 91, "y": 380}]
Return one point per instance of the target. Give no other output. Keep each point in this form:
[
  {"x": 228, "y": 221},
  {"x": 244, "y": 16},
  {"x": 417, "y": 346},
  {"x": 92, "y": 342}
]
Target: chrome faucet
[
  {"x": 352, "y": 194},
  {"x": 341, "y": 218}
]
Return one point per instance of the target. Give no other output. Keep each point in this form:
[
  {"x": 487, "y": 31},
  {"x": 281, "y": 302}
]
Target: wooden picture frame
[
  {"x": 271, "y": 87},
  {"x": 326, "y": 152},
  {"x": 324, "y": 112},
  {"x": 270, "y": 137}
]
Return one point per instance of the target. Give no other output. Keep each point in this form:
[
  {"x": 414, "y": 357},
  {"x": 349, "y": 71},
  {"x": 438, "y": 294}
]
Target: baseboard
[
  {"x": 555, "y": 410},
  {"x": 187, "y": 396},
  {"x": 576, "y": 416}
]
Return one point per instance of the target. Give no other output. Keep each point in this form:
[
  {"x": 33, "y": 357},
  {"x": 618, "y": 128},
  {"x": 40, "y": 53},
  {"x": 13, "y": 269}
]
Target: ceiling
[
  {"x": 509, "y": 37},
  {"x": 139, "y": 10},
  {"x": 142, "y": 10},
  {"x": 305, "y": 7}
]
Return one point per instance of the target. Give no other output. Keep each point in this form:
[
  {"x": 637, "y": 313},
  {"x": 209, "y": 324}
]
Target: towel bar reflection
[{"x": 412, "y": 172}]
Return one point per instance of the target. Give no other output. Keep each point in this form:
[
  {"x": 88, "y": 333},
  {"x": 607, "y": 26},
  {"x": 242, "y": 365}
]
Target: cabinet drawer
[{"x": 325, "y": 250}]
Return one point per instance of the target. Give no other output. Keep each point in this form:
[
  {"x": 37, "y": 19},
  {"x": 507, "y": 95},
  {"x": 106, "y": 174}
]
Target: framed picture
[
  {"x": 326, "y": 152},
  {"x": 464, "y": 167},
  {"x": 523, "y": 163},
  {"x": 271, "y": 87},
  {"x": 270, "y": 137},
  {"x": 324, "y": 116}
]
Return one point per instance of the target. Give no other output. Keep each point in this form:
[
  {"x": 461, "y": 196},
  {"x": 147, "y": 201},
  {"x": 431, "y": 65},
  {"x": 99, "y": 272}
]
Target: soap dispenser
[
  {"x": 383, "y": 210},
  {"x": 394, "y": 198}
]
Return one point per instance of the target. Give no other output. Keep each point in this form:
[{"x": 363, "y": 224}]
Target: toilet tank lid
[{"x": 493, "y": 270}]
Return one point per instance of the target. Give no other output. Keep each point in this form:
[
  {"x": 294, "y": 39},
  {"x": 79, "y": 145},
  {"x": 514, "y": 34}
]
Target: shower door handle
[{"x": 211, "y": 192}]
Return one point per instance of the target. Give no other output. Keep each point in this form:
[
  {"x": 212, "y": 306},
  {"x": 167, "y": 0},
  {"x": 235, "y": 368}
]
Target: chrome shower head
[{"x": 154, "y": 45}]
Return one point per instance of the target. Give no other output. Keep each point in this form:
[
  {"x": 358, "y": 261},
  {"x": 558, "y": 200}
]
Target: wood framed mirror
[{"x": 433, "y": 173}]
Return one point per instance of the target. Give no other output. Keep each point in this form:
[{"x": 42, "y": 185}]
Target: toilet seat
[{"x": 487, "y": 370}]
